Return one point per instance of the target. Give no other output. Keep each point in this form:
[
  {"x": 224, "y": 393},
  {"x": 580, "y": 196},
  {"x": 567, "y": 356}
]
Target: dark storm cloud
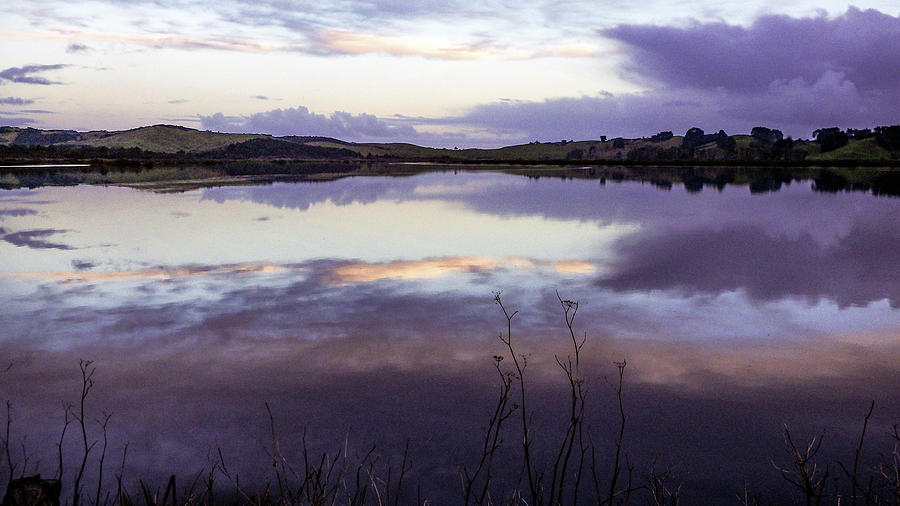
[
  {"x": 300, "y": 121},
  {"x": 859, "y": 44},
  {"x": 34, "y": 239},
  {"x": 24, "y": 75},
  {"x": 15, "y": 101}
]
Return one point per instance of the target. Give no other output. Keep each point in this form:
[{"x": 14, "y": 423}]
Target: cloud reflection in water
[{"x": 736, "y": 313}]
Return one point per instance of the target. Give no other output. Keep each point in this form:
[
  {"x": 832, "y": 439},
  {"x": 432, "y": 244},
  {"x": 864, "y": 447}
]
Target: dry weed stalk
[{"x": 805, "y": 474}]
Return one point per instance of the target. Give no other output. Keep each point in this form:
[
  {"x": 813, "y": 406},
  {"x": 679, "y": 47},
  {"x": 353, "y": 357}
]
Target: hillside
[
  {"x": 864, "y": 149},
  {"x": 161, "y": 141},
  {"x": 157, "y": 138}
]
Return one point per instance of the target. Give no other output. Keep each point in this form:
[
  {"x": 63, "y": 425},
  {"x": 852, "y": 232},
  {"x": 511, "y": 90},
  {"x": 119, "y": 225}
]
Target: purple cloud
[
  {"x": 35, "y": 239},
  {"x": 15, "y": 101},
  {"x": 24, "y": 75},
  {"x": 15, "y": 121},
  {"x": 767, "y": 267},
  {"x": 795, "y": 74},
  {"x": 860, "y": 44},
  {"x": 300, "y": 121},
  {"x": 77, "y": 48},
  {"x": 16, "y": 212}
]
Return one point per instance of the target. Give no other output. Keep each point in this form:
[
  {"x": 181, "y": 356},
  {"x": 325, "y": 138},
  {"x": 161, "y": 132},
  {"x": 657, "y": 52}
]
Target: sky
[{"x": 450, "y": 73}]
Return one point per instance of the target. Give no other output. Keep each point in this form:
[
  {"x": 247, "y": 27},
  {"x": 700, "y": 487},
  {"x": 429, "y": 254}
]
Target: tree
[
  {"x": 768, "y": 135},
  {"x": 782, "y": 148},
  {"x": 662, "y": 136},
  {"x": 830, "y": 139},
  {"x": 856, "y": 135},
  {"x": 693, "y": 137},
  {"x": 723, "y": 141},
  {"x": 888, "y": 136}
]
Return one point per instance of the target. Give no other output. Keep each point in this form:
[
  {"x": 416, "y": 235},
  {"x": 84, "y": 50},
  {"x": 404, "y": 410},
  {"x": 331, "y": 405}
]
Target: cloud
[
  {"x": 855, "y": 271},
  {"x": 164, "y": 273},
  {"x": 179, "y": 101},
  {"x": 82, "y": 264},
  {"x": 321, "y": 355},
  {"x": 16, "y": 212},
  {"x": 168, "y": 40},
  {"x": 346, "y": 42},
  {"x": 859, "y": 44},
  {"x": 16, "y": 121},
  {"x": 796, "y": 106},
  {"x": 589, "y": 117},
  {"x": 796, "y": 74},
  {"x": 436, "y": 30},
  {"x": 24, "y": 75},
  {"x": 300, "y": 121},
  {"x": 34, "y": 239},
  {"x": 15, "y": 101},
  {"x": 338, "y": 41},
  {"x": 77, "y": 48},
  {"x": 180, "y": 119}
]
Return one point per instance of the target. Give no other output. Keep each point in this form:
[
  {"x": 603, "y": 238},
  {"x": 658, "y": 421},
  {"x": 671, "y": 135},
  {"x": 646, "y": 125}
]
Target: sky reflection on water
[{"x": 367, "y": 302}]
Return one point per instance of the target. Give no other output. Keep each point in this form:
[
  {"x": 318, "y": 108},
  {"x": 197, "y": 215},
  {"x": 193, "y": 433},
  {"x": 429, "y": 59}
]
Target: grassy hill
[
  {"x": 169, "y": 140},
  {"x": 865, "y": 149},
  {"x": 567, "y": 150},
  {"x": 164, "y": 139}
]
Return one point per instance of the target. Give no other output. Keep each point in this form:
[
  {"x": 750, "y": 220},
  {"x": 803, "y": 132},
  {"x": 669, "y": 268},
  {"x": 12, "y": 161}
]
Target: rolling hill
[{"x": 170, "y": 140}]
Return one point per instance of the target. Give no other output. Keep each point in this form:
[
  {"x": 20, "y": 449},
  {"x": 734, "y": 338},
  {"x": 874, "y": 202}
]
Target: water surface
[{"x": 366, "y": 304}]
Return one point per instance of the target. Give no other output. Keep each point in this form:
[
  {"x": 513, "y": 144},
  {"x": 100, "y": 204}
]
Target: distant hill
[
  {"x": 35, "y": 137},
  {"x": 762, "y": 145},
  {"x": 163, "y": 139},
  {"x": 265, "y": 147},
  {"x": 156, "y": 138}
]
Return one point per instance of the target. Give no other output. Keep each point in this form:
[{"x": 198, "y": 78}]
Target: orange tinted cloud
[
  {"x": 347, "y": 42},
  {"x": 438, "y": 267},
  {"x": 574, "y": 267},
  {"x": 422, "y": 269}
]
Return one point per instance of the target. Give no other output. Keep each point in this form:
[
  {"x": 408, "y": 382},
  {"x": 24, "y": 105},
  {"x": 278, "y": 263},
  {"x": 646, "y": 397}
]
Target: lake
[{"x": 363, "y": 311}]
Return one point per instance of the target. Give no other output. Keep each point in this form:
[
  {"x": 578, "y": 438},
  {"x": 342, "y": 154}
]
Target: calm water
[{"x": 366, "y": 305}]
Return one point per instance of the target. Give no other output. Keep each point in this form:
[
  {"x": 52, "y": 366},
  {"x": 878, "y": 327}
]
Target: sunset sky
[{"x": 450, "y": 73}]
